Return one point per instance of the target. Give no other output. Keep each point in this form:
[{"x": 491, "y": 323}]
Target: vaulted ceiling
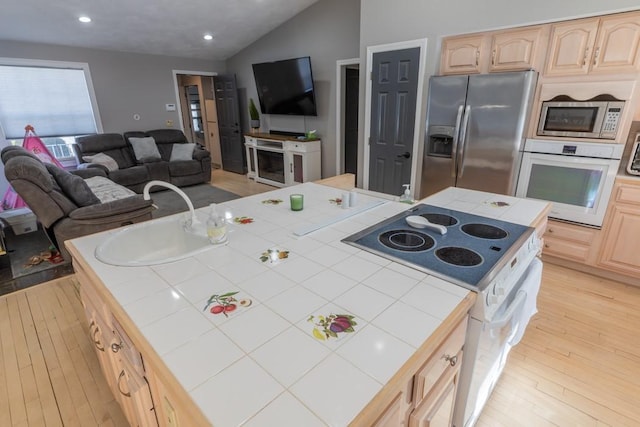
[{"x": 161, "y": 27}]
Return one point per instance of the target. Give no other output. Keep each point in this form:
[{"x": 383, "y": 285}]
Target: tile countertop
[{"x": 261, "y": 362}]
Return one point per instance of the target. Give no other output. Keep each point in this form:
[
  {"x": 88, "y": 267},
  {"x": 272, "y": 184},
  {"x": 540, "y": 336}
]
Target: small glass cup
[{"x": 297, "y": 202}]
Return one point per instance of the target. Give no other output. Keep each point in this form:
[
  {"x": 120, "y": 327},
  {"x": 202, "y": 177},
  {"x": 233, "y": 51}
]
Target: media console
[{"x": 282, "y": 160}]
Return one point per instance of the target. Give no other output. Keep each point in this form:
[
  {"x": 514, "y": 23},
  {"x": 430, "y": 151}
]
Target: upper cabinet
[
  {"x": 609, "y": 44},
  {"x": 508, "y": 50},
  {"x": 461, "y": 55}
]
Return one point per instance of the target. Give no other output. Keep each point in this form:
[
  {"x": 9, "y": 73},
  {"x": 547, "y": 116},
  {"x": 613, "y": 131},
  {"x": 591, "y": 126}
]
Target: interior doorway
[
  {"x": 393, "y": 116},
  {"x": 348, "y": 90},
  {"x": 197, "y": 110}
]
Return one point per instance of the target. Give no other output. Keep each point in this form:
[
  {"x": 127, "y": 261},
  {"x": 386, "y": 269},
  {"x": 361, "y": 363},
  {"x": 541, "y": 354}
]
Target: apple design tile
[{"x": 221, "y": 306}]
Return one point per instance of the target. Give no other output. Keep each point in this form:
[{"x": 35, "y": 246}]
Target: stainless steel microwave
[{"x": 580, "y": 119}]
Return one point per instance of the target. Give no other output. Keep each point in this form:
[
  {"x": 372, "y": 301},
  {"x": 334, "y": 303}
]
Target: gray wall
[
  {"x": 383, "y": 21},
  {"x": 327, "y": 31},
  {"x": 125, "y": 83}
]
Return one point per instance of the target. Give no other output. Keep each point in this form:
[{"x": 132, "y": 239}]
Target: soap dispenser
[
  {"x": 406, "y": 196},
  {"x": 216, "y": 226}
]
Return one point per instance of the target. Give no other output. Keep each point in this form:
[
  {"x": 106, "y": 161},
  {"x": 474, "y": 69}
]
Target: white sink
[{"x": 151, "y": 243}]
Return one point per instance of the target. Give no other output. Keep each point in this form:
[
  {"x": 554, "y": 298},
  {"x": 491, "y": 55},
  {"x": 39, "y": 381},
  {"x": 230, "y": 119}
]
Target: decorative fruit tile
[
  {"x": 243, "y": 220},
  {"x": 272, "y": 201},
  {"x": 274, "y": 256},
  {"x": 336, "y": 201},
  {"x": 226, "y": 303},
  {"x": 330, "y": 326}
]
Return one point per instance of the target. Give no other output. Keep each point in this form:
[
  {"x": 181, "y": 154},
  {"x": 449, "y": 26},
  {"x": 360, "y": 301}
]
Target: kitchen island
[{"x": 285, "y": 324}]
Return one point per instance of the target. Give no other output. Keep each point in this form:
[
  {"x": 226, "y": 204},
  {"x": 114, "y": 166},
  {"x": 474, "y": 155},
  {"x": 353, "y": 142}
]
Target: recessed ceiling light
[
  {"x": 84, "y": 19},
  {"x": 208, "y": 37}
]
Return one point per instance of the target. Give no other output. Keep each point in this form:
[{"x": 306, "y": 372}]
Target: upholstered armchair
[{"x": 63, "y": 202}]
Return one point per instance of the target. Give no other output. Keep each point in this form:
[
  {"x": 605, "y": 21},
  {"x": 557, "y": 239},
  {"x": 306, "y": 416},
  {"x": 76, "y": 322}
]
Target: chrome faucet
[{"x": 146, "y": 196}]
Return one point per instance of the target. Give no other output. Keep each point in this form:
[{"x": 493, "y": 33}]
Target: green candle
[{"x": 297, "y": 202}]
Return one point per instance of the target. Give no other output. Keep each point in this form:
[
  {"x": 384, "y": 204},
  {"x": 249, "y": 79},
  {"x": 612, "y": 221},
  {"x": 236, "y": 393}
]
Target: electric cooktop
[{"x": 468, "y": 254}]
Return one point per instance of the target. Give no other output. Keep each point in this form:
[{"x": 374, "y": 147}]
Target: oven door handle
[
  {"x": 454, "y": 148},
  {"x": 515, "y": 306}
]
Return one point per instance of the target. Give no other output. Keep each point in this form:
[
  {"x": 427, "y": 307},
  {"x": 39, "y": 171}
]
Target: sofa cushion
[
  {"x": 184, "y": 168},
  {"x": 73, "y": 186},
  {"x": 102, "y": 159},
  {"x": 107, "y": 190},
  {"x": 111, "y": 144},
  {"x": 131, "y": 176},
  {"x": 182, "y": 152},
  {"x": 144, "y": 148}
]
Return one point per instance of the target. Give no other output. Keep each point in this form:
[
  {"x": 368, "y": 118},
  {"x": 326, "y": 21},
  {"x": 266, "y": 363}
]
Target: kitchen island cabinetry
[
  {"x": 424, "y": 390},
  {"x": 609, "y": 44},
  {"x": 619, "y": 251},
  {"x": 279, "y": 356},
  {"x": 508, "y": 50}
]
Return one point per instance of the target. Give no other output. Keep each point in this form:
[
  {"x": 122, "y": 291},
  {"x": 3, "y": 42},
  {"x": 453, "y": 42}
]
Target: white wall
[
  {"x": 327, "y": 31},
  {"x": 125, "y": 83}
]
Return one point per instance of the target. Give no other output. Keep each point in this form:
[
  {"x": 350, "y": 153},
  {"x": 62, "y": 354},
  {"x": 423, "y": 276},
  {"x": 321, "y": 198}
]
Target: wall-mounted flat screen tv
[{"x": 286, "y": 87}]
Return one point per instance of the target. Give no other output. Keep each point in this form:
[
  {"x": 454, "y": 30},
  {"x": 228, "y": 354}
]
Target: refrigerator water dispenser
[{"x": 440, "y": 141}]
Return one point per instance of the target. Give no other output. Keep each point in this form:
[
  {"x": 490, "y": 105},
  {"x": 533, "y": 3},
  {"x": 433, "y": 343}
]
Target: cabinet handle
[
  {"x": 120, "y": 389},
  {"x": 291, "y": 167},
  {"x": 595, "y": 56},
  {"x": 477, "y": 56},
  {"x": 550, "y": 230},
  {"x": 451, "y": 359},
  {"x": 546, "y": 245},
  {"x": 115, "y": 347},
  {"x": 94, "y": 332},
  {"x": 493, "y": 57},
  {"x": 586, "y": 53}
]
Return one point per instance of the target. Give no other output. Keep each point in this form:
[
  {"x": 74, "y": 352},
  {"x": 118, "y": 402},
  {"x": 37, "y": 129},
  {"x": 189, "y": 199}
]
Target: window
[{"x": 56, "y": 98}]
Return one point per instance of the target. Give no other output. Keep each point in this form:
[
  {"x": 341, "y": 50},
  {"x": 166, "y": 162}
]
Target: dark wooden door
[
  {"x": 231, "y": 141},
  {"x": 394, "y": 84},
  {"x": 352, "y": 88}
]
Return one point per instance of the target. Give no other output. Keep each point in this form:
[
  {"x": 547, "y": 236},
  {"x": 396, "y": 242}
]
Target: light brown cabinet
[
  {"x": 609, "y": 44},
  {"x": 619, "y": 252},
  {"x": 569, "y": 241},
  {"x": 423, "y": 392},
  {"x": 509, "y": 50},
  {"x": 120, "y": 361}
]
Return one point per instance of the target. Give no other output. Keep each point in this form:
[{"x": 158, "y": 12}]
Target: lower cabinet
[
  {"x": 619, "y": 252},
  {"x": 425, "y": 389},
  {"x": 570, "y": 241}
]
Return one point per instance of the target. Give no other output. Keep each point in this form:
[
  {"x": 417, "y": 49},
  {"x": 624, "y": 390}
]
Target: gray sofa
[
  {"x": 136, "y": 167},
  {"x": 63, "y": 202}
]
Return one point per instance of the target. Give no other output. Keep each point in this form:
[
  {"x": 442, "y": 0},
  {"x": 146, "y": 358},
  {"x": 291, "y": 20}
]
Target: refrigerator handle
[
  {"x": 454, "y": 149},
  {"x": 463, "y": 140}
]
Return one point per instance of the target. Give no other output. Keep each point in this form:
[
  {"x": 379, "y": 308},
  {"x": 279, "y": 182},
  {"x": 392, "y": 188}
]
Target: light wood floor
[
  {"x": 577, "y": 365},
  {"x": 238, "y": 184}
]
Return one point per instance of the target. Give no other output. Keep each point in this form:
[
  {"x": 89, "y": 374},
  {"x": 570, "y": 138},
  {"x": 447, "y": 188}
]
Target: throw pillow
[
  {"x": 145, "y": 148},
  {"x": 182, "y": 152},
  {"x": 102, "y": 159},
  {"x": 73, "y": 186}
]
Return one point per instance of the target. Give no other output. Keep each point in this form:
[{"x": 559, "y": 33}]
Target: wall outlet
[{"x": 169, "y": 123}]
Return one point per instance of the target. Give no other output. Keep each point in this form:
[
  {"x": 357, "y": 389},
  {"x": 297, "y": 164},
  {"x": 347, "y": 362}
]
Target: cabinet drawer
[
  {"x": 445, "y": 356},
  {"x": 126, "y": 348},
  {"x": 628, "y": 194},
  {"x": 569, "y": 232},
  {"x": 565, "y": 249}
]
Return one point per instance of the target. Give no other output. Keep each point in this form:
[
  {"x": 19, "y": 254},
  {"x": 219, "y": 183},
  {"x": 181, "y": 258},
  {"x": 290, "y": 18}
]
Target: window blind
[{"x": 55, "y": 101}]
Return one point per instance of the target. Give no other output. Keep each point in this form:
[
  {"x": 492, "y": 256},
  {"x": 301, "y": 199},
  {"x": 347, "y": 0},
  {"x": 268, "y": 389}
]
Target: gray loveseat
[{"x": 167, "y": 157}]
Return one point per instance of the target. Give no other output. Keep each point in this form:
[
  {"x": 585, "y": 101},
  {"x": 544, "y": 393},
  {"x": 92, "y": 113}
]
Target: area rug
[{"x": 169, "y": 202}]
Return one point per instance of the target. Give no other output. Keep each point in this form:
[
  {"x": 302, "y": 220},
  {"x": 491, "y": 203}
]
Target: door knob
[{"x": 406, "y": 155}]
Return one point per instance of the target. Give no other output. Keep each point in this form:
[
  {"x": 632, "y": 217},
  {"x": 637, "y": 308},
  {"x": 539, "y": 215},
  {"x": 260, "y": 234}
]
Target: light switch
[{"x": 170, "y": 107}]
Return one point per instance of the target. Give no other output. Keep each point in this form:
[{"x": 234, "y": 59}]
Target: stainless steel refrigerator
[{"x": 475, "y": 131}]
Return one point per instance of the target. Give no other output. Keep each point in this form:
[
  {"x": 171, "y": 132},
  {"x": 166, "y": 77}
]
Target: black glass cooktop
[{"x": 466, "y": 254}]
